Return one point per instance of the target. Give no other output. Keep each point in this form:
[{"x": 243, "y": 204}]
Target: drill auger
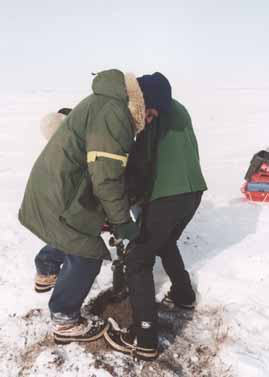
[
  {"x": 119, "y": 285},
  {"x": 119, "y": 291}
]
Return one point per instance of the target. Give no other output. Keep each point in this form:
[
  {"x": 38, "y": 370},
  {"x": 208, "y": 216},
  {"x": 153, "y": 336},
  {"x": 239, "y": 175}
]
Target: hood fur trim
[
  {"x": 50, "y": 123},
  {"x": 136, "y": 102}
]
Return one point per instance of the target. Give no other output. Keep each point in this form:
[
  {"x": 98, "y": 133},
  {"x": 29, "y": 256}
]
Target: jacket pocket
[{"x": 84, "y": 214}]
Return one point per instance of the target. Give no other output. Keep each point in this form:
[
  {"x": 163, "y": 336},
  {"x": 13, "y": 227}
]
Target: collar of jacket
[{"x": 136, "y": 103}]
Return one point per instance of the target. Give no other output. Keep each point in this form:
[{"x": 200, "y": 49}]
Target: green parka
[
  {"x": 165, "y": 160},
  {"x": 78, "y": 181}
]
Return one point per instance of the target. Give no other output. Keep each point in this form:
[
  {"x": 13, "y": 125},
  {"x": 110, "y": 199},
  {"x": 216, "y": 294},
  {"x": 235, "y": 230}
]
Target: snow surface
[{"x": 225, "y": 246}]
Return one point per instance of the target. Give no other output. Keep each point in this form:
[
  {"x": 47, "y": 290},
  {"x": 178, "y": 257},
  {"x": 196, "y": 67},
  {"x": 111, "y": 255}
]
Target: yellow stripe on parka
[{"x": 92, "y": 156}]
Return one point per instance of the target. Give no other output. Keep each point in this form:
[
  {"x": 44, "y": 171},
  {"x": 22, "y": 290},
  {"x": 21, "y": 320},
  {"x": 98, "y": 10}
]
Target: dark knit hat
[{"x": 156, "y": 90}]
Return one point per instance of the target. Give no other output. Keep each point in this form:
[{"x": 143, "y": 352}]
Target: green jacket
[
  {"x": 165, "y": 158},
  {"x": 78, "y": 181}
]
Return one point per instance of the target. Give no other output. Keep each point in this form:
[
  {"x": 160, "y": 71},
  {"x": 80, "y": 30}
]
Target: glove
[{"x": 128, "y": 231}]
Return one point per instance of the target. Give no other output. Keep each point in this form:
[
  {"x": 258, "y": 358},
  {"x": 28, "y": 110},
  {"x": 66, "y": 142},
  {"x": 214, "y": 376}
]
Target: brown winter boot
[
  {"x": 44, "y": 283},
  {"x": 82, "y": 331}
]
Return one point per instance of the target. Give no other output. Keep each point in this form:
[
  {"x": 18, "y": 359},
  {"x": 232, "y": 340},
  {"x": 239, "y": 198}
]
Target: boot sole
[
  {"x": 139, "y": 354},
  {"x": 188, "y": 307},
  {"x": 172, "y": 305},
  {"x": 61, "y": 340},
  {"x": 40, "y": 289}
]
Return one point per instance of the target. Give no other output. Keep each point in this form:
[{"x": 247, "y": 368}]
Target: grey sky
[{"x": 56, "y": 44}]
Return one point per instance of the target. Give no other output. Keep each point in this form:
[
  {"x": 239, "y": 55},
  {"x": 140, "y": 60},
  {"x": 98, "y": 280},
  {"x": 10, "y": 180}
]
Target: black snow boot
[
  {"x": 139, "y": 341},
  {"x": 185, "y": 298}
]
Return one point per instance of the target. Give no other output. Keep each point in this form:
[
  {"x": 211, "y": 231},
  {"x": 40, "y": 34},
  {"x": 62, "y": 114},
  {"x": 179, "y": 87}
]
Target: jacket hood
[{"x": 110, "y": 83}]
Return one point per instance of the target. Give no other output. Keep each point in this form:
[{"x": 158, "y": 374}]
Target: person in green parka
[
  {"x": 77, "y": 184},
  {"x": 164, "y": 174}
]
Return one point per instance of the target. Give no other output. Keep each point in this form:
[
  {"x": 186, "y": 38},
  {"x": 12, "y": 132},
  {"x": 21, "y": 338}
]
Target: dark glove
[{"x": 128, "y": 231}]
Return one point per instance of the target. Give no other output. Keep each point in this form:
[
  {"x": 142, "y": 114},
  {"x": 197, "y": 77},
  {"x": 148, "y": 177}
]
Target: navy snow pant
[{"x": 163, "y": 222}]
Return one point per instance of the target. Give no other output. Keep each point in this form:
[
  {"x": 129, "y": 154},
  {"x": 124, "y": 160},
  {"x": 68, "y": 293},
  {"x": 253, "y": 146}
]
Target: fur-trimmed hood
[
  {"x": 115, "y": 84},
  {"x": 136, "y": 102},
  {"x": 50, "y": 123}
]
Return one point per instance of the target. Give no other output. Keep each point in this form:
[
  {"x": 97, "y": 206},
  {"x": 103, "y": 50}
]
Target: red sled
[
  {"x": 257, "y": 175},
  {"x": 256, "y": 196}
]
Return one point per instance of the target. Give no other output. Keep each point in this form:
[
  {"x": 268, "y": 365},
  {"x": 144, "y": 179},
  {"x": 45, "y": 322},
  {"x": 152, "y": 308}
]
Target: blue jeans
[
  {"x": 49, "y": 260},
  {"x": 74, "y": 281}
]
